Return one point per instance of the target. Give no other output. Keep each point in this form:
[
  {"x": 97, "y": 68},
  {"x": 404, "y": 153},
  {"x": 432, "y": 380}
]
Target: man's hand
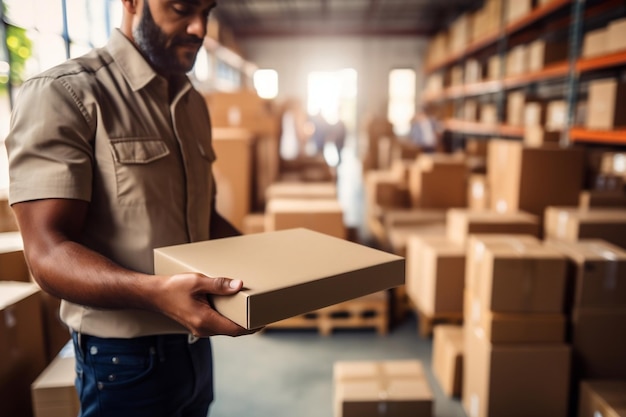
[{"x": 184, "y": 298}]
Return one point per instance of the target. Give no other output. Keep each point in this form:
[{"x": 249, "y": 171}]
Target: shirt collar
[{"x": 136, "y": 70}]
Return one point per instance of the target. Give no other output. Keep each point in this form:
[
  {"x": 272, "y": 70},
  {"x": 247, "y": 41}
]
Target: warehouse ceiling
[{"x": 259, "y": 18}]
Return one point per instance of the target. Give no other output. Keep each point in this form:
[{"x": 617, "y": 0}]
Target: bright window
[
  {"x": 266, "y": 83},
  {"x": 401, "y": 100}
]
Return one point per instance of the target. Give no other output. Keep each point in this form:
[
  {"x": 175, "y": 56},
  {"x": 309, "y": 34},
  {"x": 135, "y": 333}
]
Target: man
[{"x": 110, "y": 156}]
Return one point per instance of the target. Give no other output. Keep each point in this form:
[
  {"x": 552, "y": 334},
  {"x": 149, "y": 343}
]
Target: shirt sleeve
[{"x": 50, "y": 143}]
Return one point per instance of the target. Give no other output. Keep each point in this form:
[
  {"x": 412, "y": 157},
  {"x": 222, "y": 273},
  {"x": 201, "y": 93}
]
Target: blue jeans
[{"x": 152, "y": 376}]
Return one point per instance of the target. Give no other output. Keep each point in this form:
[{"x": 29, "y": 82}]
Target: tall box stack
[
  {"x": 438, "y": 181},
  {"x": 530, "y": 179},
  {"x": 394, "y": 388},
  {"x": 516, "y": 362},
  {"x": 21, "y": 346},
  {"x": 597, "y": 306}
]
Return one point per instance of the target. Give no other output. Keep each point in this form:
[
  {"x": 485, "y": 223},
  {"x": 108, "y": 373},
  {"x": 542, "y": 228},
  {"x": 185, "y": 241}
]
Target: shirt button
[
  {"x": 100, "y": 386},
  {"x": 93, "y": 350},
  {"x": 115, "y": 360},
  {"x": 111, "y": 377}
]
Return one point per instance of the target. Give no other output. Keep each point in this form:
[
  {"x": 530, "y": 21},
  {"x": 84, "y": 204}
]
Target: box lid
[{"x": 285, "y": 273}]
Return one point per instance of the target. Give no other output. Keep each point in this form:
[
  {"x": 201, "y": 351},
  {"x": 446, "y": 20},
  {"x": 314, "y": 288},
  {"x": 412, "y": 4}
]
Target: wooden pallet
[
  {"x": 370, "y": 311},
  {"x": 427, "y": 322}
]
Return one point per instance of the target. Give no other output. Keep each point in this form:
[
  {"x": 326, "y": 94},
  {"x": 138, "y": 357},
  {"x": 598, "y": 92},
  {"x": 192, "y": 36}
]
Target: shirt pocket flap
[{"x": 138, "y": 151}]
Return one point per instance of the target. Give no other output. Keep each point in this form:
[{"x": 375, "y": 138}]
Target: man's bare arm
[{"x": 63, "y": 267}]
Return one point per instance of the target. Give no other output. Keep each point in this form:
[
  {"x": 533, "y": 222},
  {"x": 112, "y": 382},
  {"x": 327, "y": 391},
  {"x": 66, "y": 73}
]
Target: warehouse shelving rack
[{"x": 566, "y": 73}]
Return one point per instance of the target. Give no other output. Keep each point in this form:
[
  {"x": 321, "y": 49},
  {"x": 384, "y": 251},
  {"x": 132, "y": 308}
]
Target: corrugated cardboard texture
[{"x": 285, "y": 273}]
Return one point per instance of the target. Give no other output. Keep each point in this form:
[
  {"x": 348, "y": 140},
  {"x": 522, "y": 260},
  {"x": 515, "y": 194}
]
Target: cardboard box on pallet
[
  {"x": 507, "y": 328},
  {"x": 53, "y": 392},
  {"x": 572, "y": 224},
  {"x": 537, "y": 136},
  {"x": 435, "y": 274},
  {"x": 517, "y": 278},
  {"x": 598, "y": 339},
  {"x": 514, "y": 170},
  {"x": 447, "y": 359},
  {"x": 395, "y": 388},
  {"x": 285, "y": 273},
  {"x": 602, "y": 398},
  {"x": 597, "y": 273},
  {"x": 514, "y": 380},
  {"x": 22, "y": 347},
  {"x": 325, "y": 216},
  {"x": 460, "y": 223}
]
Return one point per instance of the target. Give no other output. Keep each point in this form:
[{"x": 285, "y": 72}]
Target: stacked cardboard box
[
  {"x": 542, "y": 53},
  {"x": 22, "y": 346},
  {"x": 447, "y": 359},
  {"x": 572, "y": 224},
  {"x": 606, "y": 104},
  {"x": 595, "y": 43},
  {"x": 601, "y": 198},
  {"x": 322, "y": 215},
  {"x": 233, "y": 172},
  {"x": 616, "y": 34},
  {"x": 596, "y": 306},
  {"x": 516, "y": 362},
  {"x": 13, "y": 265},
  {"x": 53, "y": 392},
  {"x": 515, "y": 108},
  {"x": 517, "y": 9},
  {"x": 515, "y": 170},
  {"x": 395, "y": 388},
  {"x": 438, "y": 181},
  {"x": 435, "y": 274},
  {"x": 461, "y": 223}
]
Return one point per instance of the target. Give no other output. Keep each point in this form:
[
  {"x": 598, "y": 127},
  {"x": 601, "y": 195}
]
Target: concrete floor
[{"x": 282, "y": 373}]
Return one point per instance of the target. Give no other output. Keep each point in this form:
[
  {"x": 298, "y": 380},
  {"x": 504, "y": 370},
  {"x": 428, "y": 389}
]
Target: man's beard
[{"x": 152, "y": 42}]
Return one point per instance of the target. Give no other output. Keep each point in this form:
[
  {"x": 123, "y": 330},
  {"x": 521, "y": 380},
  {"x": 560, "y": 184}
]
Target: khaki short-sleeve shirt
[{"x": 102, "y": 128}]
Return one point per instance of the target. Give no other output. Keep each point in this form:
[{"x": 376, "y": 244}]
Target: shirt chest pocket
[{"x": 143, "y": 170}]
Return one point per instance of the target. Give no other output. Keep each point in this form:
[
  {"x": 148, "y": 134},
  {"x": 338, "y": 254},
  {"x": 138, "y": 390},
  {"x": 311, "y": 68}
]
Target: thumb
[{"x": 223, "y": 286}]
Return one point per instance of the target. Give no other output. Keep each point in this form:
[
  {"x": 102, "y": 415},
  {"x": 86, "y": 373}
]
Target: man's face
[{"x": 170, "y": 33}]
